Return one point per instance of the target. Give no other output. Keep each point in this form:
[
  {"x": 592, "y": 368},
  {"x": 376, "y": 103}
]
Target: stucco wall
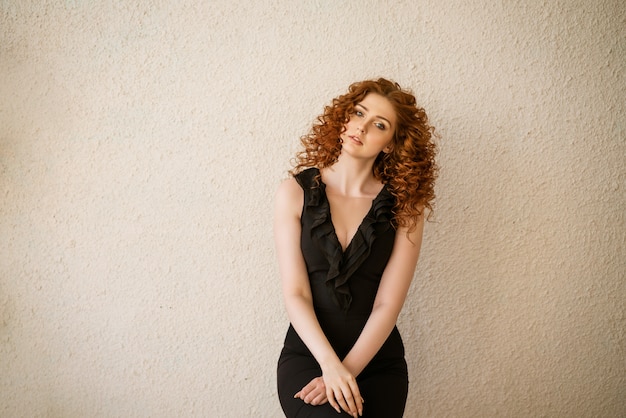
[{"x": 141, "y": 143}]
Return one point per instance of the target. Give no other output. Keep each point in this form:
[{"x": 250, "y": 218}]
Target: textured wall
[{"x": 140, "y": 146}]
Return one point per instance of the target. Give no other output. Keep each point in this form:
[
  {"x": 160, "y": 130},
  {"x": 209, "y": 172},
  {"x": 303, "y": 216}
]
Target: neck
[{"x": 350, "y": 176}]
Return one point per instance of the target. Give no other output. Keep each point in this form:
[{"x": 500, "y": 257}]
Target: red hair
[{"x": 409, "y": 170}]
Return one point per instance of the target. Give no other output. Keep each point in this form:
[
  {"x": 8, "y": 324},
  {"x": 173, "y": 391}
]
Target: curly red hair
[{"x": 409, "y": 170}]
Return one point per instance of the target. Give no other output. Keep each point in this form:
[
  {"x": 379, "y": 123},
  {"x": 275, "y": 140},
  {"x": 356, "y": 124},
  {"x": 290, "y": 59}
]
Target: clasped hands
[{"x": 336, "y": 386}]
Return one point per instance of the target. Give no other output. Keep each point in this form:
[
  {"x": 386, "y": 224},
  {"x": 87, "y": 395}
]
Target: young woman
[{"x": 348, "y": 230}]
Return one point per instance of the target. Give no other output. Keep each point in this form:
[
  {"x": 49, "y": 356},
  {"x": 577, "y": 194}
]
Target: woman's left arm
[{"x": 392, "y": 291}]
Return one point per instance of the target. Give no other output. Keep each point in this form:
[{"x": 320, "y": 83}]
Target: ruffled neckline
[{"x": 343, "y": 263}]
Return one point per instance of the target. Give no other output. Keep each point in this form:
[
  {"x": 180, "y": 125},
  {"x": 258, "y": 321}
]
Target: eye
[
  {"x": 358, "y": 113},
  {"x": 380, "y": 126}
]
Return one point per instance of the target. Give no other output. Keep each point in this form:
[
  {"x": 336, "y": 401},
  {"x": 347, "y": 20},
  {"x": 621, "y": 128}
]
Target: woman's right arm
[{"x": 341, "y": 388}]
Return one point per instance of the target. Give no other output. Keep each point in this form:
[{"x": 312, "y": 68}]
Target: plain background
[{"x": 141, "y": 143}]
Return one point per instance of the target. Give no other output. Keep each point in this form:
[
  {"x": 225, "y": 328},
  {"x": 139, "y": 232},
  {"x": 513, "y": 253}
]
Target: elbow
[
  {"x": 296, "y": 299},
  {"x": 388, "y": 310}
]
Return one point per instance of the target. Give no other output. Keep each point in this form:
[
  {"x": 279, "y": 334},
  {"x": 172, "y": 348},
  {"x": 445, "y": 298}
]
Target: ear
[{"x": 388, "y": 149}]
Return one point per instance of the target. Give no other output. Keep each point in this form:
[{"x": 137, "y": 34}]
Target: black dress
[{"x": 344, "y": 286}]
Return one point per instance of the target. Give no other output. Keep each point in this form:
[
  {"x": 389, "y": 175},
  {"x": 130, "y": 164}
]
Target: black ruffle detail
[{"x": 343, "y": 264}]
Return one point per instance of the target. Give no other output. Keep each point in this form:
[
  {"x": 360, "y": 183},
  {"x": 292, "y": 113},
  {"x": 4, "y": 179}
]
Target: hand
[
  {"x": 342, "y": 390},
  {"x": 314, "y": 392}
]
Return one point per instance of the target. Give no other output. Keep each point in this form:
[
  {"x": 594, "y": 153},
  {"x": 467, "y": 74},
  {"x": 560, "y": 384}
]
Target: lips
[{"x": 355, "y": 139}]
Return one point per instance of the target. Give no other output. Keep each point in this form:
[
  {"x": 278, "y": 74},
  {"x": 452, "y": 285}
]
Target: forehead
[{"x": 379, "y": 106}]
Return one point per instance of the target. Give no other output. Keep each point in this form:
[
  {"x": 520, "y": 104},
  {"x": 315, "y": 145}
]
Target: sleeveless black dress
[{"x": 344, "y": 286}]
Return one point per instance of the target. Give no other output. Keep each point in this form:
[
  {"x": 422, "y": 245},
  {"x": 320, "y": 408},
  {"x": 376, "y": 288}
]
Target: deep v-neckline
[{"x": 358, "y": 229}]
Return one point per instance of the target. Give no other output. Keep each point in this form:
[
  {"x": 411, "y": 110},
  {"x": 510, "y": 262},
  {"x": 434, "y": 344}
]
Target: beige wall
[{"x": 140, "y": 146}]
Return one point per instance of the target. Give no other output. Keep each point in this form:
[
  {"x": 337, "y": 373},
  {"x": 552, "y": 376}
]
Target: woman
[{"x": 348, "y": 230}]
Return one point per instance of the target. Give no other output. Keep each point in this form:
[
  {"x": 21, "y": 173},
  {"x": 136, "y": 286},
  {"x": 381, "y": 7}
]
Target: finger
[
  {"x": 358, "y": 399},
  {"x": 319, "y": 399},
  {"x": 312, "y": 395},
  {"x": 297, "y": 395},
  {"x": 352, "y": 398},
  {"x": 353, "y": 410},
  {"x": 303, "y": 393},
  {"x": 309, "y": 386},
  {"x": 343, "y": 403},
  {"x": 332, "y": 401}
]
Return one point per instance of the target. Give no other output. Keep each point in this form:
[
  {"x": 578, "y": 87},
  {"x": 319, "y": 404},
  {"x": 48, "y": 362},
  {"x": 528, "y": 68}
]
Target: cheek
[{"x": 386, "y": 137}]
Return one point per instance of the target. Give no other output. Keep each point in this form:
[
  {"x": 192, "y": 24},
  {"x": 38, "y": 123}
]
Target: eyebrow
[{"x": 378, "y": 116}]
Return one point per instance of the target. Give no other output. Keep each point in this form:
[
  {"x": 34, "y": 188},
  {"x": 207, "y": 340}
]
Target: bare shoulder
[
  {"x": 289, "y": 186},
  {"x": 411, "y": 239},
  {"x": 289, "y": 198}
]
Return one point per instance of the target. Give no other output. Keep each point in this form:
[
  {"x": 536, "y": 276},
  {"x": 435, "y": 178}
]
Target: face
[{"x": 370, "y": 128}]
